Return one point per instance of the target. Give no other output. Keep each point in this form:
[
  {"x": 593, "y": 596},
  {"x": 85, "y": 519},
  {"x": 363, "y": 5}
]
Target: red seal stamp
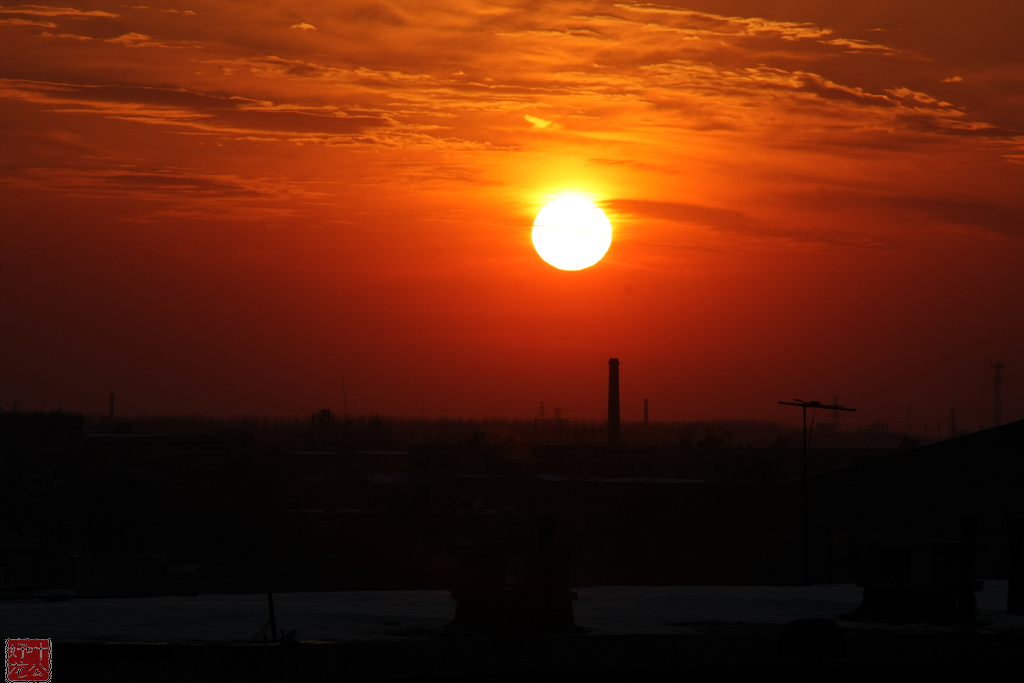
[{"x": 28, "y": 659}]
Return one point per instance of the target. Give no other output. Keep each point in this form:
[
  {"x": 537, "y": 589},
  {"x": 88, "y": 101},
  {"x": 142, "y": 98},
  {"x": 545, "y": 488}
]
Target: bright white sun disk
[{"x": 572, "y": 233}]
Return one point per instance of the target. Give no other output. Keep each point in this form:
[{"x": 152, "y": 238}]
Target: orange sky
[{"x": 218, "y": 207}]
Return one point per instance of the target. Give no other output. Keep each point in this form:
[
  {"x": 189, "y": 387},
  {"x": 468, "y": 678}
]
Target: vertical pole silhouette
[
  {"x": 997, "y": 404},
  {"x": 344, "y": 399},
  {"x": 1015, "y": 569},
  {"x": 967, "y": 603},
  {"x": 273, "y": 619},
  {"x": 613, "y": 401},
  {"x": 805, "y": 405},
  {"x": 545, "y": 564}
]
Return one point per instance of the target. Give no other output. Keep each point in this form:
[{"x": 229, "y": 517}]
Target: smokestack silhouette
[{"x": 613, "y": 401}]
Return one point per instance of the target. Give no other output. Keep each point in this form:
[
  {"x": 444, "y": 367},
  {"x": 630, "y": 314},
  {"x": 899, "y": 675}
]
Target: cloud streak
[
  {"x": 46, "y": 11},
  {"x": 631, "y": 84},
  {"x": 737, "y": 224}
]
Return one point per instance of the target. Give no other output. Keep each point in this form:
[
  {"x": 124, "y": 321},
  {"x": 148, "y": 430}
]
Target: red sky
[{"x": 217, "y": 207}]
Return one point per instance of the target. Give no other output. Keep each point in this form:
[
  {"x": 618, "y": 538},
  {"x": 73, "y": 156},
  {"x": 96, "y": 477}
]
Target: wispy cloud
[
  {"x": 170, "y": 193},
  {"x": 738, "y": 223},
  {"x": 537, "y": 121},
  {"x": 27, "y": 22},
  {"x": 987, "y": 216},
  {"x": 45, "y": 11},
  {"x": 625, "y": 85},
  {"x": 614, "y": 68},
  {"x": 214, "y": 115},
  {"x": 134, "y": 40},
  {"x": 857, "y": 45}
]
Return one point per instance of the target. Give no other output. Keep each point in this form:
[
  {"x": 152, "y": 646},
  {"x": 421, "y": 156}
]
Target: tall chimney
[{"x": 613, "y": 401}]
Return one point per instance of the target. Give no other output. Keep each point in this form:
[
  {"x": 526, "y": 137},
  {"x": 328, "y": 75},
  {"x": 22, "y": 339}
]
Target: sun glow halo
[{"x": 572, "y": 233}]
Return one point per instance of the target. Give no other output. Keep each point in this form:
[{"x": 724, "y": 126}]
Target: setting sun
[
  {"x": 356, "y": 183},
  {"x": 572, "y": 233}
]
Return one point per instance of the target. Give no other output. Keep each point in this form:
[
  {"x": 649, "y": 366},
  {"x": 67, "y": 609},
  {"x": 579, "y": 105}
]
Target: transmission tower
[{"x": 997, "y": 405}]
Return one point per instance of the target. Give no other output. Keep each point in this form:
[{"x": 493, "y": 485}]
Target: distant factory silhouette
[
  {"x": 642, "y": 503},
  {"x": 516, "y": 520}
]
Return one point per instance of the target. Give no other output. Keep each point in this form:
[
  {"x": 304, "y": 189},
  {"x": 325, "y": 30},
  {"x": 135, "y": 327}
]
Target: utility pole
[
  {"x": 804, "y": 405},
  {"x": 344, "y": 397},
  {"x": 997, "y": 380}
]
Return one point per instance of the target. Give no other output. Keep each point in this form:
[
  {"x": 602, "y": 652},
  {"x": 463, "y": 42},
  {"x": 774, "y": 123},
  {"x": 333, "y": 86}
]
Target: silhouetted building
[
  {"x": 515, "y": 585},
  {"x": 911, "y": 506}
]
